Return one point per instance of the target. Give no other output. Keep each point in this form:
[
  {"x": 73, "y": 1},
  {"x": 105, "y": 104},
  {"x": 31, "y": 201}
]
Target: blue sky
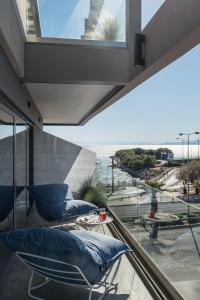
[
  {"x": 67, "y": 20},
  {"x": 154, "y": 112}
]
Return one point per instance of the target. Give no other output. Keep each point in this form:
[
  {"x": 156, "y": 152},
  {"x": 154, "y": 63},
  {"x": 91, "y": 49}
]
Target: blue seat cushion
[
  {"x": 93, "y": 253},
  {"x": 50, "y": 200},
  {"x": 6, "y": 199},
  {"x": 103, "y": 249},
  {"x": 78, "y": 207},
  {"x": 69, "y": 195}
]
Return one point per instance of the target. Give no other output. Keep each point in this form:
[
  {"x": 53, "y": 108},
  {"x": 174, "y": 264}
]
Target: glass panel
[
  {"x": 168, "y": 229},
  {"x": 21, "y": 151},
  {"x": 78, "y": 19},
  {"x": 6, "y": 171}
]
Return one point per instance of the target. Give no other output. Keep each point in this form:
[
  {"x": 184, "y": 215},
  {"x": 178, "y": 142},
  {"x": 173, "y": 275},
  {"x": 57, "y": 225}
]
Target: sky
[
  {"x": 67, "y": 20},
  {"x": 155, "y": 112}
]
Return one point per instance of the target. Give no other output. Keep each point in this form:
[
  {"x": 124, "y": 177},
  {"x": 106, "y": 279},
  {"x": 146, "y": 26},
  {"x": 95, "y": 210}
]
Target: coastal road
[{"x": 171, "y": 182}]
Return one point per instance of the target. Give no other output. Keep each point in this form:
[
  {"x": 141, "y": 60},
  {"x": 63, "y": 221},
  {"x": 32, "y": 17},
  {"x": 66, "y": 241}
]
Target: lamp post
[
  {"x": 197, "y": 132},
  {"x": 182, "y": 142},
  {"x": 188, "y": 157},
  {"x": 198, "y": 161}
]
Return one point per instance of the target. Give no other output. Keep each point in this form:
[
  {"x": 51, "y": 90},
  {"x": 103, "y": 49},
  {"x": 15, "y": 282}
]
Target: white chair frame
[{"x": 49, "y": 275}]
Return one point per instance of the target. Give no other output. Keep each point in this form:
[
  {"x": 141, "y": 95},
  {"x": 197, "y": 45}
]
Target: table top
[{"x": 93, "y": 220}]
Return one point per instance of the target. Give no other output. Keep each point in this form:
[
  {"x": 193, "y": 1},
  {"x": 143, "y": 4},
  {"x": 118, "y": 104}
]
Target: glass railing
[
  {"x": 167, "y": 229},
  {"x": 103, "y": 20}
]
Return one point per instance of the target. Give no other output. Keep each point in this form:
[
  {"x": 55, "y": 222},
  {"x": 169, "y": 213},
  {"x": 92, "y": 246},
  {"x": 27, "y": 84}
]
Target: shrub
[
  {"x": 90, "y": 193},
  {"x": 155, "y": 184},
  {"x": 137, "y": 165},
  {"x": 85, "y": 186},
  {"x": 96, "y": 197},
  {"x": 149, "y": 162}
]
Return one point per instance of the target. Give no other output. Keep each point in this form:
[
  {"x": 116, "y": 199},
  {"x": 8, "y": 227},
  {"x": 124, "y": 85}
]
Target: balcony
[
  {"x": 15, "y": 283},
  {"x": 165, "y": 232},
  {"x": 162, "y": 231}
]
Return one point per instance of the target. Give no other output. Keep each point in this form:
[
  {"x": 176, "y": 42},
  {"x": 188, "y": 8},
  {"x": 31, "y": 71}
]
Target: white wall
[{"x": 58, "y": 161}]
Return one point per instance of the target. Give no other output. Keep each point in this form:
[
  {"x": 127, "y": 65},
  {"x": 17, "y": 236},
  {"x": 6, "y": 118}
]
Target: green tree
[
  {"x": 158, "y": 152},
  {"x": 190, "y": 173},
  {"x": 155, "y": 184},
  {"x": 137, "y": 165},
  {"x": 148, "y": 162}
]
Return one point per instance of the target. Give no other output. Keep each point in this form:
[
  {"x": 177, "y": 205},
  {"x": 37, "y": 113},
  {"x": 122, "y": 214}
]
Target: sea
[{"x": 104, "y": 170}]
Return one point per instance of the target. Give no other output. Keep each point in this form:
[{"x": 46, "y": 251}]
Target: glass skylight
[{"x": 79, "y": 19}]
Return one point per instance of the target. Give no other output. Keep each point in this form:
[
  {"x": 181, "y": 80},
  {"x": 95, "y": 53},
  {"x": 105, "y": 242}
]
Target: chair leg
[
  {"x": 109, "y": 286},
  {"x": 30, "y": 287},
  {"x": 90, "y": 294}
]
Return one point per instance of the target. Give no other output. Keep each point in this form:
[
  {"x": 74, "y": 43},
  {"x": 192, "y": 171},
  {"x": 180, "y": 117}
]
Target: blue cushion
[
  {"x": 50, "y": 200},
  {"x": 69, "y": 195},
  {"x": 6, "y": 199},
  {"x": 104, "y": 249},
  {"x": 42, "y": 241},
  {"x": 93, "y": 253},
  {"x": 78, "y": 207}
]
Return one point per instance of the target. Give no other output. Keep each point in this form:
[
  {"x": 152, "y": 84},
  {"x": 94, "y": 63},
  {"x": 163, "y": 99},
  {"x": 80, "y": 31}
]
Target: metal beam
[
  {"x": 12, "y": 37},
  {"x": 133, "y": 26},
  {"x": 92, "y": 63},
  {"x": 172, "y": 32}
]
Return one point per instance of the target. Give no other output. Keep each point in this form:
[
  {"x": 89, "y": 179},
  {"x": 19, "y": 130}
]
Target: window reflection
[
  {"x": 21, "y": 171},
  {"x": 14, "y": 162},
  {"x": 6, "y": 171},
  {"x": 103, "y": 20}
]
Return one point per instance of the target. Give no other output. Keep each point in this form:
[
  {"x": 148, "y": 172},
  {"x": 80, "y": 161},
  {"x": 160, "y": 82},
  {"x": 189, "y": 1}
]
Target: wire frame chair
[{"x": 67, "y": 274}]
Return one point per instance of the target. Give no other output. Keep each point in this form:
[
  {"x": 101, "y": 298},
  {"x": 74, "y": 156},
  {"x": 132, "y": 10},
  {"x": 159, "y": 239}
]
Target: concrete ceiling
[{"x": 68, "y": 103}]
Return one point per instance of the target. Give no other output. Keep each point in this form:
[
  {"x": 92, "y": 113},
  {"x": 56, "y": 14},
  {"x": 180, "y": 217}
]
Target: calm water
[{"x": 105, "y": 151}]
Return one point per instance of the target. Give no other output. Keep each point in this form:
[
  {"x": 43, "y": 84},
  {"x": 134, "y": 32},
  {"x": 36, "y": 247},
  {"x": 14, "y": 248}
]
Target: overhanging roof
[
  {"x": 72, "y": 81},
  {"x": 69, "y": 104},
  {"x": 69, "y": 81}
]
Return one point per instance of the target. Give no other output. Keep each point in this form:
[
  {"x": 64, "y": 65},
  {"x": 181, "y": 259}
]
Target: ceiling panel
[{"x": 67, "y": 103}]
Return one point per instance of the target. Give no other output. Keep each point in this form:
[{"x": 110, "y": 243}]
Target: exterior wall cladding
[
  {"x": 55, "y": 160},
  {"x": 58, "y": 161}
]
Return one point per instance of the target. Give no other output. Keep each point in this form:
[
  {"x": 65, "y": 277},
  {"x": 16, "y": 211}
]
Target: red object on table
[
  {"x": 152, "y": 215},
  {"x": 102, "y": 216}
]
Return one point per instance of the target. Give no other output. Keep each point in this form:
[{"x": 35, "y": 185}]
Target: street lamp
[
  {"x": 188, "y": 155},
  {"x": 197, "y": 132},
  {"x": 182, "y": 142},
  {"x": 197, "y": 190}
]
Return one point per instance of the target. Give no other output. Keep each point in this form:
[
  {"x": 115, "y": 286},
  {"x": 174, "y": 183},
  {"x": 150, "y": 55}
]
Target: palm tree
[{"x": 109, "y": 30}]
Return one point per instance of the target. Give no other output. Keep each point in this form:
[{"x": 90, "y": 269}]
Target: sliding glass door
[
  {"x": 21, "y": 171},
  {"x": 6, "y": 170},
  {"x": 14, "y": 170}
]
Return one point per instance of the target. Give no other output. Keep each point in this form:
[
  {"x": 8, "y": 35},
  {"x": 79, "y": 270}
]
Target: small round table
[{"x": 91, "y": 221}]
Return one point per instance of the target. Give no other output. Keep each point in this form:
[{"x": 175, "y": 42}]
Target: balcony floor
[{"x": 17, "y": 275}]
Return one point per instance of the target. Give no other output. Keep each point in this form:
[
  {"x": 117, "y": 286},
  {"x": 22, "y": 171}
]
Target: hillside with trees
[{"x": 138, "y": 159}]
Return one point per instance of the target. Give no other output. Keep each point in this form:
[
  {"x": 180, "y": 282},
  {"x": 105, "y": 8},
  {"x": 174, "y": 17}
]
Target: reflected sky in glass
[{"x": 67, "y": 19}]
